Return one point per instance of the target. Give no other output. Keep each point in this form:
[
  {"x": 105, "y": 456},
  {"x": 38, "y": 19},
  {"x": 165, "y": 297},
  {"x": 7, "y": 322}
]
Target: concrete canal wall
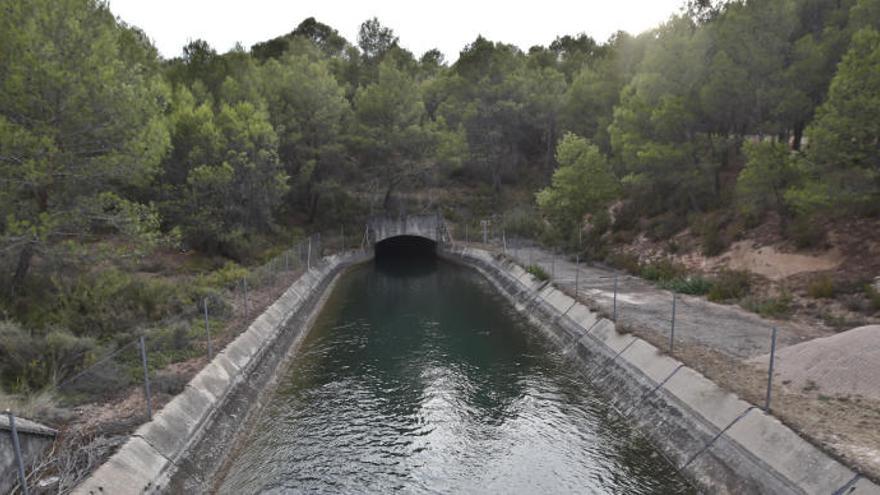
[
  {"x": 722, "y": 443},
  {"x": 33, "y": 439},
  {"x": 185, "y": 444}
]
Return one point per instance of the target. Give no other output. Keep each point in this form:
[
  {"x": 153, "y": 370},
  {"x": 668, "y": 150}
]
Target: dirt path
[{"x": 727, "y": 329}]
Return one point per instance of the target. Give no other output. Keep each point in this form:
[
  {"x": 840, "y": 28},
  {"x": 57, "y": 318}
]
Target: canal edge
[{"x": 720, "y": 442}]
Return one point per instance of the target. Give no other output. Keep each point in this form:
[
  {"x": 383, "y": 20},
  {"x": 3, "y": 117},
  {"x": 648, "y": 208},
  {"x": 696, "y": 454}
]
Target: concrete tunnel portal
[{"x": 414, "y": 236}]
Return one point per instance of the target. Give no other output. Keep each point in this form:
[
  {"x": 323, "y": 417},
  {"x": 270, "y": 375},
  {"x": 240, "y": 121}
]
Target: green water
[{"x": 419, "y": 378}]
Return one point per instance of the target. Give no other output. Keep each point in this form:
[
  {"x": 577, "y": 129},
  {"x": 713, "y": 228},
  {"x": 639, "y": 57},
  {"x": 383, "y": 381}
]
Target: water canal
[{"x": 419, "y": 378}]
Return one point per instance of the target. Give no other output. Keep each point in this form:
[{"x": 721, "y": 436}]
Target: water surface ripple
[{"x": 419, "y": 378}]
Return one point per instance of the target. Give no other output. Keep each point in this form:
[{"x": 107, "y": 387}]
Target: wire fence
[
  {"x": 122, "y": 388},
  {"x": 139, "y": 375},
  {"x": 735, "y": 349}
]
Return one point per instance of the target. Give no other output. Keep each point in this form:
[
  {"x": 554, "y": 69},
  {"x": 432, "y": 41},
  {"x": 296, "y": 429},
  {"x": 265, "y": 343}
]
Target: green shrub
[
  {"x": 662, "y": 270},
  {"x": 626, "y": 217},
  {"x": 30, "y": 361},
  {"x": 665, "y": 226},
  {"x": 624, "y": 236},
  {"x": 228, "y": 276},
  {"x": 821, "y": 288},
  {"x": 873, "y": 296},
  {"x": 538, "y": 272},
  {"x": 624, "y": 261},
  {"x": 694, "y": 285},
  {"x": 806, "y": 232},
  {"x": 522, "y": 222},
  {"x": 104, "y": 303},
  {"x": 730, "y": 285},
  {"x": 712, "y": 243},
  {"x": 772, "y": 307},
  {"x": 711, "y": 229}
]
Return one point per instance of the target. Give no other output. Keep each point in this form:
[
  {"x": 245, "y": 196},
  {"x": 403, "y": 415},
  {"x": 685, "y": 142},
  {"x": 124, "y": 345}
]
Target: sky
[{"x": 445, "y": 24}]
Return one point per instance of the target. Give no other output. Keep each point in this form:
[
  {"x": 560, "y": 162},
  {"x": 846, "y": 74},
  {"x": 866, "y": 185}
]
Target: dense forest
[{"x": 726, "y": 113}]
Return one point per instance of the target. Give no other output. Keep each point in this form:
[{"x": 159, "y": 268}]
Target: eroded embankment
[
  {"x": 724, "y": 444},
  {"x": 183, "y": 447}
]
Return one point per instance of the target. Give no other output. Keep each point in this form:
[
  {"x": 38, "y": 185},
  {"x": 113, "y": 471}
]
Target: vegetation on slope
[{"x": 725, "y": 114}]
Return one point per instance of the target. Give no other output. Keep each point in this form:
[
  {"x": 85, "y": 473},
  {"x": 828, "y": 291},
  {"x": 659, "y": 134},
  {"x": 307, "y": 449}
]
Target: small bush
[
  {"x": 730, "y": 285},
  {"x": 168, "y": 383},
  {"x": 624, "y": 261},
  {"x": 712, "y": 243},
  {"x": 711, "y": 229},
  {"x": 29, "y": 361},
  {"x": 662, "y": 270},
  {"x": 773, "y": 307},
  {"x": 821, "y": 288},
  {"x": 538, "y": 272},
  {"x": 105, "y": 380},
  {"x": 873, "y": 296},
  {"x": 626, "y": 217},
  {"x": 523, "y": 222},
  {"x": 694, "y": 285},
  {"x": 624, "y": 236},
  {"x": 665, "y": 226},
  {"x": 806, "y": 232}
]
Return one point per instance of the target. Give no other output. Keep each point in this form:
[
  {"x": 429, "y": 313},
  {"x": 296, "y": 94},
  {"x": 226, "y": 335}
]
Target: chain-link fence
[
  {"x": 123, "y": 387},
  {"x": 736, "y": 349}
]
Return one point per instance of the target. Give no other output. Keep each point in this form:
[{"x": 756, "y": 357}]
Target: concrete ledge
[
  {"x": 170, "y": 430},
  {"x": 149, "y": 462},
  {"x": 132, "y": 469},
  {"x": 721, "y": 442},
  {"x": 647, "y": 358},
  {"x": 605, "y": 333},
  {"x": 768, "y": 439}
]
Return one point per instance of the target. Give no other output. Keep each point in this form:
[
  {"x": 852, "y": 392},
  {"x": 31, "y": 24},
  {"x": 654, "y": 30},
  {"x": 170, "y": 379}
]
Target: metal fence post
[
  {"x": 208, "y": 332},
  {"x": 577, "y": 274},
  {"x": 504, "y": 241},
  {"x": 16, "y": 446},
  {"x": 309, "y": 255},
  {"x": 485, "y": 234},
  {"x": 467, "y": 238},
  {"x": 247, "y": 303},
  {"x": 553, "y": 266},
  {"x": 614, "y": 314},
  {"x": 770, "y": 370},
  {"x": 147, "y": 394},
  {"x": 672, "y": 326}
]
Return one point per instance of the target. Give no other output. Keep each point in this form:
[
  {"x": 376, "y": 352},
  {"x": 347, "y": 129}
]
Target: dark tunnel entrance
[
  {"x": 406, "y": 255},
  {"x": 406, "y": 246}
]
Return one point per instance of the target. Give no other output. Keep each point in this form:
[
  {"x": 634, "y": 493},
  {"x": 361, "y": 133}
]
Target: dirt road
[{"x": 730, "y": 330}]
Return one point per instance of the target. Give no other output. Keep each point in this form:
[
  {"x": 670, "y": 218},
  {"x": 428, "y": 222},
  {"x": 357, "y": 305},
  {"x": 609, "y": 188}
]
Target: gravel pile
[{"x": 844, "y": 364}]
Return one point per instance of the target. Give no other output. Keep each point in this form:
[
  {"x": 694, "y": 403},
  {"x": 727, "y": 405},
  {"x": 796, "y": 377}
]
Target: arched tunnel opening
[
  {"x": 406, "y": 246},
  {"x": 406, "y": 254}
]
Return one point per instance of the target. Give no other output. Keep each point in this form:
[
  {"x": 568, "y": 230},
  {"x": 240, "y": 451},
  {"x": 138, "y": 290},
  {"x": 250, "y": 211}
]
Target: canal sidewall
[
  {"x": 184, "y": 448},
  {"x": 721, "y": 443}
]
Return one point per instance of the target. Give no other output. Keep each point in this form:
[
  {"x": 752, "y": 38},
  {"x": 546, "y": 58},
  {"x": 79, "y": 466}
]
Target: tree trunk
[
  {"x": 313, "y": 206},
  {"x": 24, "y": 264},
  {"x": 550, "y": 137},
  {"x": 798, "y": 136}
]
